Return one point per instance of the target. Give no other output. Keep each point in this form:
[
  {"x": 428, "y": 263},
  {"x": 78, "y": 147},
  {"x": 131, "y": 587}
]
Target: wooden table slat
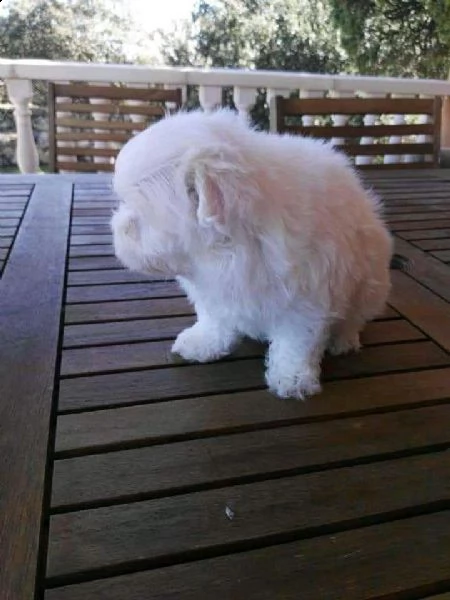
[
  {"x": 132, "y": 291},
  {"x": 166, "y": 469},
  {"x": 31, "y": 293},
  {"x": 432, "y": 234},
  {"x": 203, "y": 416},
  {"x": 92, "y": 263},
  {"x": 343, "y": 565},
  {"x": 127, "y": 309},
  {"x": 143, "y": 355},
  {"x": 433, "y": 244},
  {"x": 426, "y": 269},
  {"x": 166, "y": 530},
  {"x": 103, "y": 276},
  {"x": 77, "y": 336}
]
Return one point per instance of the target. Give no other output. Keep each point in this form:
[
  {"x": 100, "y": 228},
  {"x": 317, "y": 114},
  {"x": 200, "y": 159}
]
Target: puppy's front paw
[
  {"x": 195, "y": 344},
  {"x": 301, "y": 384}
]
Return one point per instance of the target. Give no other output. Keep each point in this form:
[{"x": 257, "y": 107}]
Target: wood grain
[
  {"x": 419, "y": 216},
  {"x": 10, "y": 191},
  {"x": 425, "y": 309},
  {"x": 6, "y": 242},
  {"x": 7, "y": 231},
  {"x": 30, "y": 302},
  {"x": 425, "y": 234},
  {"x": 90, "y": 229},
  {"x": 209, "y": 415},
  {"x": 84, "y": 167},
  {"x": 92, "y": 220},
  {"x": 8, "y": 222},
  {"x": 348, "y": 106},
  {"x": 125, "y": 388},
  {"x": 426, "y": 269},
  {"x": 123, "y": 332},
  {"x": 174, "y": 468},
  {"x": 94, "y": 263},
  {"x": 354, "y": 131},
  {"x": 127, "y": 309},
  {"x": 443, "y": 255},
  {"x": 10, "y": 213},
  {"x": 105, "y": 276},
  {"x": 343, "y": 565},
  {"x": 132, "y": 291},
  {"x": 144, "y": 355},
  {"x": 91, "y": 250},
  {"x": 418, "y": 225},
  {"x": 433, "y": 244},
  {"x": 416, "y": 209},
  {"x": 88, "y": 211},
  {"x": 115, "y": 92},
  {"x": 165, "y": 530},
  {"x": 108, "y": 109},
  {"x": 90, "y": 124}
]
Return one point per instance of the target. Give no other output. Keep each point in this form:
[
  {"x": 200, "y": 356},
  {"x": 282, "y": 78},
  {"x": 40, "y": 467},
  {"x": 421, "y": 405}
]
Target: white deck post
[
  {"x": 210, "y": 97},
  {"x": 308, "y": 120},
  {"x": 20, "y": 92},
  {"x": 244, "y": 99},
  {"x": 340, "y": 120},
  {"x": 368, "y": 120}
]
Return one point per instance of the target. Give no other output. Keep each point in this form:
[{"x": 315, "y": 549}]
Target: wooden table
[{"x": 125, "y": 474}]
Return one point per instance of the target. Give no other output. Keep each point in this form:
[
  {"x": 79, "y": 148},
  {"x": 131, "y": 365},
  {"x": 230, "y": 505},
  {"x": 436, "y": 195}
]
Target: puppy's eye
[
  {"x": 191, "y": 191},
  {"x": 190, "y": 187}
]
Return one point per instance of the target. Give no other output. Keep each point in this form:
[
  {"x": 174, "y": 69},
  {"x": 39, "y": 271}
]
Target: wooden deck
[{"x": 126, "y": 474}]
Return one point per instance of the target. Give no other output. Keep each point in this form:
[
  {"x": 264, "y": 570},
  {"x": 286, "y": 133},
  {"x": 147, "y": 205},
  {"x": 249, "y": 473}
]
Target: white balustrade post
[
  {"x": 424, "y": 139},
  {"x": 340, "y": 120},
  {"x": 134, "y": 117},
  {"x": 369, "y": 120},
  {"x": 60, "y": 144},
  {"x": 244, "y": 99},
  {"x": 20, "y": 92},
  {"x": 395, "y": 139},
  {"x": 98, "y": 116},
  {"x": 272, "y": 93},
  {"x": 308, "y": 120},
  {"x": 210, "y": 97}
]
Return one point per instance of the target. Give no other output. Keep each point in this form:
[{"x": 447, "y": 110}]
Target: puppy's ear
[
  {"x": 212, "y": 179},
  {"x": 211, "y": 201}
]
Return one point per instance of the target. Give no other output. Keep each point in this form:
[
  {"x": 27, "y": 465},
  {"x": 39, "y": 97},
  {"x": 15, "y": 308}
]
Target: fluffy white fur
[{"x": 271, "y": 236}]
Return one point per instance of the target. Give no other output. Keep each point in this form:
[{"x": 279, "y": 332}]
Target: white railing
[{"x": 19, "y": 74}]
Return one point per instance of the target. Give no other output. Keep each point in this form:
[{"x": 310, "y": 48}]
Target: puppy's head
[{"x": 179, "y": 183}]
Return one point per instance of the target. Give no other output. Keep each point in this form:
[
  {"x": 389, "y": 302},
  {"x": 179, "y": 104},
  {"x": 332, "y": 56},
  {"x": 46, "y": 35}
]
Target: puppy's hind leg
[
  {"x": 368, "y": 302},
  {"x": 344, "y": 336},
  {"x": 295, "y": 352}
]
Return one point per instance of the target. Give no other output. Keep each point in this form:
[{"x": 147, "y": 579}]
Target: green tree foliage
[
  {"x": 290, "y": 35},
  {"x": 264, "y": 34},
  {"x": 85, "y": 30},
  {"x": 395, "y": 37}
]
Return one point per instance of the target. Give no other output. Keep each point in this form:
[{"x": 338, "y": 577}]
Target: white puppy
[{"x": 271, "y": 236}]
